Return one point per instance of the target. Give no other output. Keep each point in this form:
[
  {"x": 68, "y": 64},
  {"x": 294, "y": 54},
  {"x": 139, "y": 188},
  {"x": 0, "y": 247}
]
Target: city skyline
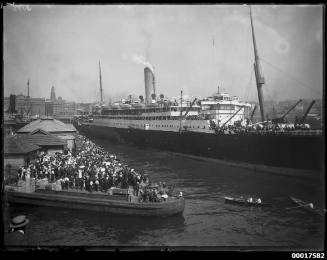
[
  {"x": 192, "y": 48},
  {"x": 62, "y": 98}
]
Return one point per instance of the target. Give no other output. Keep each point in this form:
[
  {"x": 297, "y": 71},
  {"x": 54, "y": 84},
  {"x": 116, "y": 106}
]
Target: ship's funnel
[{"x": 149, "y": 84}]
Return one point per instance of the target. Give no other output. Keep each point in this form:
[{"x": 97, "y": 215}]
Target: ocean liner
[{"x": 206, "y": 127}]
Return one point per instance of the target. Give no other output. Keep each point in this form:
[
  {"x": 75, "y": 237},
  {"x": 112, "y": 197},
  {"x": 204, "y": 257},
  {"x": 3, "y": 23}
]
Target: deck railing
[{"x": 279, "y": 133}]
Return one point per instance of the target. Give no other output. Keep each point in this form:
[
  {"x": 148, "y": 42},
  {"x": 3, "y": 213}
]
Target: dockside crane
[
  {"x": 282, "y": 118},
  {"x": 189, "y": 109},
  {"x": 185, "y": 115},
  {"x": 252, "y": 114},
  {"x": 231, "y": 117},
  {"x": 301, "y": 121}
]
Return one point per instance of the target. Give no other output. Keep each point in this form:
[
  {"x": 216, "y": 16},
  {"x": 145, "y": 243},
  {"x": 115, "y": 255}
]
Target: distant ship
[{"x": 207, "y": 127}]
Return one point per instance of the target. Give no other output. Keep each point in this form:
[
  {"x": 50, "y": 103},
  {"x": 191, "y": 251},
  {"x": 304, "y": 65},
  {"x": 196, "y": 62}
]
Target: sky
[{"x": 194, "y": 48}]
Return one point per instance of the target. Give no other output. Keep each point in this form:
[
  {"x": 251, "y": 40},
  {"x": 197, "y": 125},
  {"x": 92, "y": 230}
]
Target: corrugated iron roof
[
  {"x": 17, "y": 145},
  {"x": 42, "y": 138},
  {"x": 47, "y": 124}
]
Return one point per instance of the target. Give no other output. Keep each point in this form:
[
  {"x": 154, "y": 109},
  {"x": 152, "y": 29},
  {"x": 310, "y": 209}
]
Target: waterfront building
[
  {"x": 55, "y": 127},
  {"x": 84, "y": 108},
  {"x": 18, "y": 152},
  {"x": 49, "y": 143},
  {"x": 37, "y": 107},
  {"x": 63, "y": 108},
  {"x": 25, "y": 105},
  {"x": 6, "y": 104}
]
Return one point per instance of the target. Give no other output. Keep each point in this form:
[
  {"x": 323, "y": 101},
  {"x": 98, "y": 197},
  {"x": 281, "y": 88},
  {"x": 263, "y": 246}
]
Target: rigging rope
[
  {"x": 290, "y": 76},
  {"x": 247, "y": 88}
]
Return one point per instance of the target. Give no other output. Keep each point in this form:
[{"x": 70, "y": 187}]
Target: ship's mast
[
  {"x": 218, "y": 109},
  {"x": 28, "y": 105},
  {"x": 101, "y": 97},
  {"x": 28, "y": 88},
  {"x": 257, "y": 70},
  {"x": 181, "y": 113}
]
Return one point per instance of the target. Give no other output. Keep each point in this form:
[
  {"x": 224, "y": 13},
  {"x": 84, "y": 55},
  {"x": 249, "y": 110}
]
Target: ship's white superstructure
[
  {"x": 156, "y": 116},
  {"x": 220, "y": 107},
  {"x": 174, "y": 116}
]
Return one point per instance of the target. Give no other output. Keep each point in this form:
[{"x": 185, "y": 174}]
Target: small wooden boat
[
  {"x": 307, "y": 206},
  {"x": 244, "y": 202},
  {"x": 98, "y": 202}
]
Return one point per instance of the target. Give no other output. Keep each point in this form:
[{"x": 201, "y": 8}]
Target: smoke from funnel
[
  {"x": 149, "y": 78},
  {"x": 139, "y": 59}
]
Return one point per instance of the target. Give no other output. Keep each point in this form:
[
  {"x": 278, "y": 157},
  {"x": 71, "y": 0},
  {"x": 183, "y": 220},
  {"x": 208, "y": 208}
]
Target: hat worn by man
[{"x": 19, "y": 221}]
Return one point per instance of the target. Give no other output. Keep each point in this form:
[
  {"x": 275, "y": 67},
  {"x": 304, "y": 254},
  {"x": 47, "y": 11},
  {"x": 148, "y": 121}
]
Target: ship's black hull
[{"x": 296, "y": 151}]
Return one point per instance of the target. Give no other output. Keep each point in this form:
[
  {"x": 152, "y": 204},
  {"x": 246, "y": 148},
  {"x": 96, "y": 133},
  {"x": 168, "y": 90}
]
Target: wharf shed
[
  {"x": 18, "y": 152},
  {"x": 55, "y": 127},
  {"x": 48, "y": 142}
]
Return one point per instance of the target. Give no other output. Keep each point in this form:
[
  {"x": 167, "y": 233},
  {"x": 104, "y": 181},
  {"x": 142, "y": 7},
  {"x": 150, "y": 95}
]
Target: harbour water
[{"x": 207, "y": 221}]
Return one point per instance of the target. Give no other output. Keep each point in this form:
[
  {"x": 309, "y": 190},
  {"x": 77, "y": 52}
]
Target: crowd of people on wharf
[{"x": 93, "y": 169}]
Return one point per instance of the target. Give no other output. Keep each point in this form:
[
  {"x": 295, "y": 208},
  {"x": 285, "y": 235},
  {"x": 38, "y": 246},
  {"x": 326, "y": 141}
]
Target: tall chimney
[{"x": 149, "y": 87}]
